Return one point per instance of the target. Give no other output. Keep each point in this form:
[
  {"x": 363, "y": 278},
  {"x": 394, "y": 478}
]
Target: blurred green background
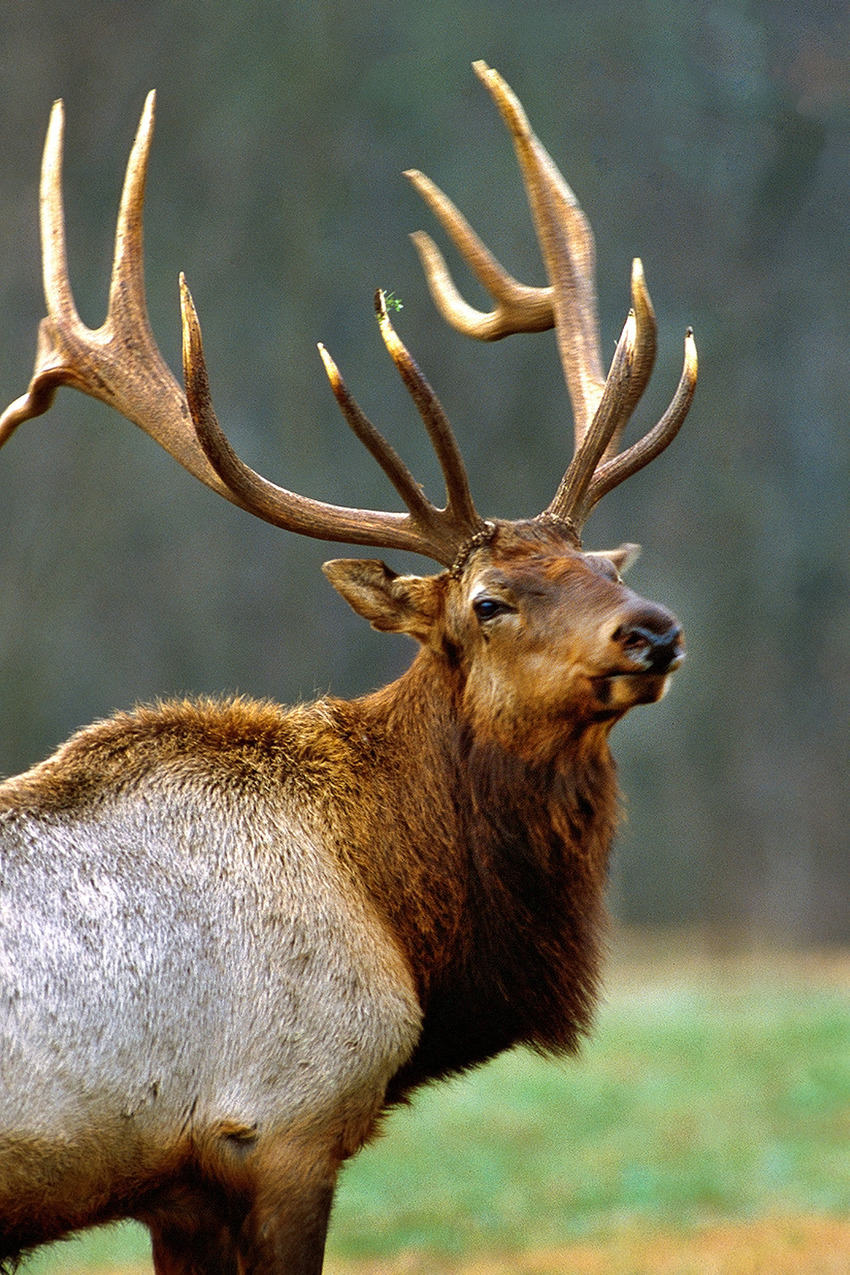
[{"x": 711, "y": 139}]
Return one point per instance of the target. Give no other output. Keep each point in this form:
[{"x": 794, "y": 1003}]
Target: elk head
[{"x": 590, "y": 648}]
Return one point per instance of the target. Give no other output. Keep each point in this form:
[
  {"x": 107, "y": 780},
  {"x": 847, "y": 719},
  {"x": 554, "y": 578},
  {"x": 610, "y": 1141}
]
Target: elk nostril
[
  {"x": 650, "y": 650},
  {"x": 632, "y": 637},
  {"x": 636, "y": 639}
]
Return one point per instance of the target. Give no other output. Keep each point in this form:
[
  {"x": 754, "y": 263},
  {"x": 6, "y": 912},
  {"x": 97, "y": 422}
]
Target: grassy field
[{"x": 706, "y": 1128}]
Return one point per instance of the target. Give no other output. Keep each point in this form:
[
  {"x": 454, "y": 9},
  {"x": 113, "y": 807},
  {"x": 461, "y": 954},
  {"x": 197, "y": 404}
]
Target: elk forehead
[
  {"x": 538, "y": 576},
  {"x": 530, "y": 561}
]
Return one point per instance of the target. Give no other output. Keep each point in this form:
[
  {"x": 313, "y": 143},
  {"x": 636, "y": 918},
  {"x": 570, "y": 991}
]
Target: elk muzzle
[
  {"x": 652, "y": 649},
  {"x": 646, "y": 645}
]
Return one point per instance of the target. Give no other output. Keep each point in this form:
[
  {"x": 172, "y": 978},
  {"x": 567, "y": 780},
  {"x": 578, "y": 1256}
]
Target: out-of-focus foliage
[{"x": 711, "y": 139}]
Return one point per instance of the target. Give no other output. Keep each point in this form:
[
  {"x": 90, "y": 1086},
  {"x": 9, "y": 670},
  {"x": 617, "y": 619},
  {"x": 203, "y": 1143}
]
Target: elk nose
[{"x": 651, "y": 647}]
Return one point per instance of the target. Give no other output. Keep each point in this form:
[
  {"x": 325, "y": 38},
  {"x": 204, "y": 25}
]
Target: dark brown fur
[{"x": 497, "y": 902}]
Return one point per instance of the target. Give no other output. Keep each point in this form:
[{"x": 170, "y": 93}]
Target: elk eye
[{"x": 489, "y": 608}]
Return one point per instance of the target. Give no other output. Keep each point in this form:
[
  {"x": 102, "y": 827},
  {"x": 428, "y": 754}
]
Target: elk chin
[{"x": 616, "y": 693}]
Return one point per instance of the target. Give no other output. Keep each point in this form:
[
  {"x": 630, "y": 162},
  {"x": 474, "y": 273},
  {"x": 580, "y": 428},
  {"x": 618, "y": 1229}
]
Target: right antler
[
  {"x": 120, "y": 364},
  {"x": 601, "y": 405}
]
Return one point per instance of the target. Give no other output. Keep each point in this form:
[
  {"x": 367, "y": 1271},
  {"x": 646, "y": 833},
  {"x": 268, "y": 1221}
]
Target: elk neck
[{"x": 489, "y": 870}]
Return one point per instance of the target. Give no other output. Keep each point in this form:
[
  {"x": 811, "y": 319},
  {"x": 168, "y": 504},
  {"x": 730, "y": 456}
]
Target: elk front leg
[
  {"x": 191, "y": 1234},
  {"x": 204, "y": 1253},
  {"x": 285, "y": 1231},
  {"x": 193, "y": 1231}
]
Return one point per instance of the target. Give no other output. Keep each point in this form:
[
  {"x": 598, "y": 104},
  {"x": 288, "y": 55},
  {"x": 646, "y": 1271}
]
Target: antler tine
[
  {"x": 372, "y": 439},
  {"x": 569, "y": 254},
  {"x": 646, "y": 345},
  {"x": 57, "y": 287},
  {"x": 566, "y": 240},
  {"x": 608, "y": 420},
  {"x": 459, "y": 504},
  {"x": 118, "y": 363},
  {"x": 47, "y": 375},
  {"x": 60, "y": 302},
  {"x": 627, "y": 379},
  {"x": 616, "y": 470},
  {"x": 439, "y": 534},
  {"x": 519, "y": 308},
  {"x": 587, "y": 480}
]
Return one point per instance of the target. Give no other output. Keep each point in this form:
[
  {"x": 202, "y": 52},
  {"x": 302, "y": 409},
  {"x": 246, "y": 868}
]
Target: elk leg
[
  {"x": 198, "y": 1254},
  {"x": 191, "y": 1235},
  {"x": 284, "y": 1234}
]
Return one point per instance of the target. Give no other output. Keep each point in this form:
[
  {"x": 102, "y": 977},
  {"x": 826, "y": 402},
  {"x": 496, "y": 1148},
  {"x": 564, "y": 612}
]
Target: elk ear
[
  {"x": 622, "y": 558},
  {"x": 390, "y": 602}
]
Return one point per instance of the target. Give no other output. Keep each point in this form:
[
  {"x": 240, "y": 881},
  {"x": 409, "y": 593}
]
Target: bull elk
[{"x": 234, "y": 934}]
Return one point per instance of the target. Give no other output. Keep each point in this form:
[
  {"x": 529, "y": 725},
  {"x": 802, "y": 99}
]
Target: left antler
[
  {"x": 601, "y": 405},
  {"x": 120, "y": 364}
]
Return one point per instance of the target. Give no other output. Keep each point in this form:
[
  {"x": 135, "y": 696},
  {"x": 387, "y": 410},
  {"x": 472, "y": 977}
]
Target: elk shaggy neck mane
[{"x": 497, "y": 900}]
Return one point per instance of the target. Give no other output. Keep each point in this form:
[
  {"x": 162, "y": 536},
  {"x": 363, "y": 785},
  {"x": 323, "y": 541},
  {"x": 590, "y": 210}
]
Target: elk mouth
[
  {"x": 639, "y": 686},
  {"x": 615, "y": 693},
  {"x": 647, "y": 658}
]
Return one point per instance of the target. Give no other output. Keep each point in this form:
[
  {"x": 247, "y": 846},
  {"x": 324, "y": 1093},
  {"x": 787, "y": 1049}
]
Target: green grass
[{"x": 707, "y": 1092}]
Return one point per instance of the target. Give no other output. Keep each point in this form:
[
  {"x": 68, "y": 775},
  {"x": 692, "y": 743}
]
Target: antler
[
  {"x": 601, "y": 405},
  {"x": 120, "y": 364}
]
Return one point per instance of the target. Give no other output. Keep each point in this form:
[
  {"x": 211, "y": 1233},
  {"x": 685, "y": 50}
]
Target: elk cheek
[{"x": 489, "y": 707}]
